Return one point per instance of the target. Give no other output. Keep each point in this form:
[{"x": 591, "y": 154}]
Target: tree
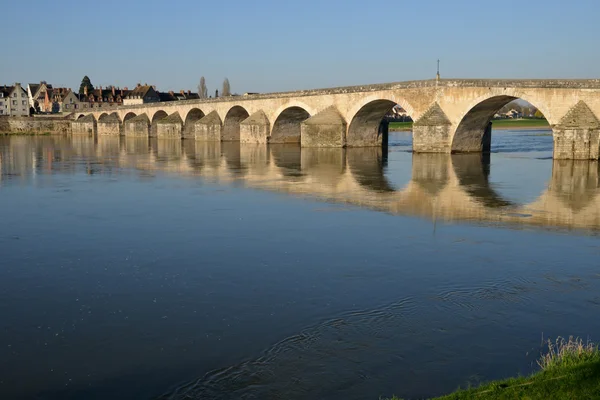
[
  {"x": 202, "y": 91},
  {"x": 85, "y": 82},
  {"x": 226, "y": 88}
]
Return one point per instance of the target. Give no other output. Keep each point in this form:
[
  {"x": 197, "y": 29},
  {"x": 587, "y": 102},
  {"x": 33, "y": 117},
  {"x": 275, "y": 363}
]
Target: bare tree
[
  {"x": 202, "y": 91},
  {"x": 226, "y": 88}
]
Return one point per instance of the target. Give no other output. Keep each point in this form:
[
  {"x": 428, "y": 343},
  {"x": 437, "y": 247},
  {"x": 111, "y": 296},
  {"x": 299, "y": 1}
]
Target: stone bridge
[{"x": 451, "y": 116}]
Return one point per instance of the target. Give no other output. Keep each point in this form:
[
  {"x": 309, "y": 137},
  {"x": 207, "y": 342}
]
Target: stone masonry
[{"x": 451, "y": 115}]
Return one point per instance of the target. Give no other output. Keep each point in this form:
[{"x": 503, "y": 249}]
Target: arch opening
[
  {"x": 193, "y": 116},
  {"x": 370, "y": 125},
  {"x": 286, "y": 128},
  {"x": 128, "y": 116},
  {"x": 102, "y": 117},
  {"x": 81, "y": 116},
  {"x": 231, "y": 124},
  {"x": 160, "y": 114},
  {"x": 474, "y": 132}
]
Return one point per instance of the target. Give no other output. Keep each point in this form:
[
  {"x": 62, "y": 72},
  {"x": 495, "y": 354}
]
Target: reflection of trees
[{"x": 575, "y": 182}]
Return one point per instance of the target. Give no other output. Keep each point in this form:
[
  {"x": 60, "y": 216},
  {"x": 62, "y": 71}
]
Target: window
[
  {"x": 1, "y": 112},
  {"x": 14, "y": 102},
  {"x": 14, "y": 95},
  {"x": 23, "y": 102},
  {"x": 67, "y": 106}
]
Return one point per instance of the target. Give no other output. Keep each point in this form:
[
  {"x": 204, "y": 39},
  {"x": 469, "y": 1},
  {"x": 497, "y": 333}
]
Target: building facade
[
  {"x": 140, "y": 95},
  {"x": 14, "y": 101}
]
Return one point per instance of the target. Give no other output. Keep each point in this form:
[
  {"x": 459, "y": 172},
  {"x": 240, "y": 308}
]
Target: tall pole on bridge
[{"x": 437, "y": 77}]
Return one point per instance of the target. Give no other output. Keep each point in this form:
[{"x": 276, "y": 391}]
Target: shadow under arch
[
  {"x": 286, "y": 128},
  {"x": 231, "y": 123},
  {"x": 129, "y": 116},
  {"x": 367, "y": 126},
  {"x": 474, "y": 132},
  {"x": 160, "y": 114},
  {"x": 193, "y": 116},
  {"x": 367, "y": 165}
]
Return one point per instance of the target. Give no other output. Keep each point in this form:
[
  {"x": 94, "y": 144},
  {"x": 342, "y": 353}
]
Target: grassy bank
[
  {"x": 525, "y": 123},
  {"x": 570, "y": 369},
  {"x": 519, "y": 123},
  {"x": 400, "y": 126}
]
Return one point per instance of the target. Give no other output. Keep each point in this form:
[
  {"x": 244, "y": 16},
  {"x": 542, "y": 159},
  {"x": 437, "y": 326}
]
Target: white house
[{"x": 14, "y": 101}]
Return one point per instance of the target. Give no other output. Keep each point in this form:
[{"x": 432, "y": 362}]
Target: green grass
[
  {"x": 570, "y": 369},
  {"x": 400, "y": 126},
  {"x": 520, "y": 123}
]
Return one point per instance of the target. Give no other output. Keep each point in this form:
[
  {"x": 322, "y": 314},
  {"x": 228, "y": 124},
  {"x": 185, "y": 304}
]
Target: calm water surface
[{"x": 148, "y": 269}]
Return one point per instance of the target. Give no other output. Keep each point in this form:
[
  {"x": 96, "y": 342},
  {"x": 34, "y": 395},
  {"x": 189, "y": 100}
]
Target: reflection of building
[{"x": 14, "y": 101}]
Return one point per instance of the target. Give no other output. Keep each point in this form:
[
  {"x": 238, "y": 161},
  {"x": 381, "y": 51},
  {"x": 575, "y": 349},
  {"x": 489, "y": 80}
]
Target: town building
[
  {"x": 39, "y": 96},
  {"x": 14, "y": 101},
  {"x": 182, "y": 95},
  {"x": 102, "y": 98},
  {"x": 141, "y": 94}
]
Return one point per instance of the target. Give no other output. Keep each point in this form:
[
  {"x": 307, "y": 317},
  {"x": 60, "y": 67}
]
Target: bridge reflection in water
[{"x": 440, "y": 186}]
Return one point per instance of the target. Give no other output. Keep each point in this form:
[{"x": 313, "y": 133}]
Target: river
[{"x": 160, "y": 269}]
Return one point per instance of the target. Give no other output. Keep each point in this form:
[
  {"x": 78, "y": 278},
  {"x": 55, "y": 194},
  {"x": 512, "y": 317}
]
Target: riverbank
[
  {"x": 34, "y": 125},
  {"x": 569, "y": 370},
  {"x": 498, "y": 124}
]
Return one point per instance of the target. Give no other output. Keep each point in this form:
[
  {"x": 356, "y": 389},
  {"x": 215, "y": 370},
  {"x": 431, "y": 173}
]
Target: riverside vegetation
[{"x": 570, "y": 369}]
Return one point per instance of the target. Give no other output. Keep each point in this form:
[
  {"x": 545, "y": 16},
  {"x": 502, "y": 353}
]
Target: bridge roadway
[
  {"x": 441, "y": 186},
  {"x": 451, "y": 115}
]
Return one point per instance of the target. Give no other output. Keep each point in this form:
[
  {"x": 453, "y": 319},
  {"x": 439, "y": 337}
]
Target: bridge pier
[
  {"x": 325, "y": 129},
  {"x": 431, "y": 132},
  {"x": 170, "y": 127},
  {"x": 209, "y": 128},
  {"x": 84, "y": 126},
  {"x": 577, "y": 135},
  {"x": 110, "y": 126},
  {"x": 255, "y": 129},
  {"x": 138, "y": 126}
]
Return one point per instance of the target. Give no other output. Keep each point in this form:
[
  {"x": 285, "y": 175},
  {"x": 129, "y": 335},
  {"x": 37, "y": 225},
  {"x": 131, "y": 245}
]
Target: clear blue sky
[{"x": 276, "y": 45}]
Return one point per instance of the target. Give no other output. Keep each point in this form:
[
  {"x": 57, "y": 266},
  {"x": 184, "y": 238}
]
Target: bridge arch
[
  {"x": 158, "y": 115},
  {"x": 231, "y": 123},
  {"x": 286, "y": 128},
  {"x": 102, "y": 117},
  {"x": 81, "y": 116},
  {"x": 366, "y": 128},
  {"x": 473, "y": 130},
  {"x": 193, "y": 116},
  {"x": 128, "y": 116}
]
